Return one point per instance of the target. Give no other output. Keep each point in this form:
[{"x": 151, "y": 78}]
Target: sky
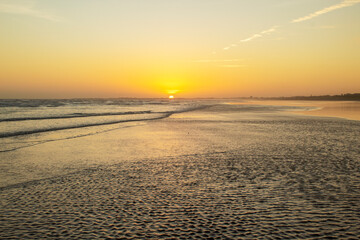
[{"x": 185, "y": 48}]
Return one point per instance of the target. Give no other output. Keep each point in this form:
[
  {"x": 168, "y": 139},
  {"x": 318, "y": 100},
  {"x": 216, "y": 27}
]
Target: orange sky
[{"x": 156, "y": 48}]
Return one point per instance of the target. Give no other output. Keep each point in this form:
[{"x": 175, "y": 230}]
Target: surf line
[
  {"x": 61, "y": 139},
  {"x": 75, "y": 115},
  {"x": 21, "y": 133},
  {"x": 165, "y": 115}
]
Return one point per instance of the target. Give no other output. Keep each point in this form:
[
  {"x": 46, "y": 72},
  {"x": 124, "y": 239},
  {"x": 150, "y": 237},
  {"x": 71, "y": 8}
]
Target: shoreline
[{"x": 341, "y": 109}]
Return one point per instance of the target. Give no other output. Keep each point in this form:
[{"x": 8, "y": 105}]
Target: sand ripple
[{"x": 303, "y": 188}]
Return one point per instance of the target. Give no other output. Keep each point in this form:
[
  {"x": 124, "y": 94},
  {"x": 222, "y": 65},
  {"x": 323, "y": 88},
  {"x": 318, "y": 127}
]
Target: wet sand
[
  {"x": 347, "y": 110},
  {"x": 342, "y": 109},
  {"x": 225, "y": 172}
]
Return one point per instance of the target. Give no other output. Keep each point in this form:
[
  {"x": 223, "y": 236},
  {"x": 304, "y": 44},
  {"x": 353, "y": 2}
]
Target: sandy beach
[
  {"x": 342, "y": 109},
  {"x": 221, "y": 172}
]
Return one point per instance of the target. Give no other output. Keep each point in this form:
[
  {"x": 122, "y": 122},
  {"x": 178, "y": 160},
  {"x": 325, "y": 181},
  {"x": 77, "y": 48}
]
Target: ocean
[
  {"x": 34, "y": 118},
  {"x": 176, "y": 169}
]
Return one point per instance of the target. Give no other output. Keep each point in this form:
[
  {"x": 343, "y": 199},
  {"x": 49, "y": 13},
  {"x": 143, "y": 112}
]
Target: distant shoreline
[{"x": 341, "y": 97}]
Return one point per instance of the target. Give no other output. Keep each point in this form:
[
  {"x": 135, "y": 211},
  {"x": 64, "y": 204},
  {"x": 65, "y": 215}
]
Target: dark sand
[{"x": 219, "y": 173}]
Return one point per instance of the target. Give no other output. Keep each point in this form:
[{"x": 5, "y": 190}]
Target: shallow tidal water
[{"x": 221, "y": 172}]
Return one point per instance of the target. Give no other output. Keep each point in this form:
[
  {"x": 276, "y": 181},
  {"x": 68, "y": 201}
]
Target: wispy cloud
[
  {"x": 346, "y": 3},
  {"x": 253, "y": 37},
  {"x": 28, "y": 11},
  {"x": 261, "y": 34},
  {"x": 231, "y": 46},
  {"x": 217, "y": 60},
  {"x": 233, "y": 66}
]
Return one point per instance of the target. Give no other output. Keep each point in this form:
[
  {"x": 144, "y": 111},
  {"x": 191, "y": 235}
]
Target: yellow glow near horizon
[
  {"x": 139, "y": 48},
  {"x": 172, "y": 91},
  {"x": 171, "y": 96}
]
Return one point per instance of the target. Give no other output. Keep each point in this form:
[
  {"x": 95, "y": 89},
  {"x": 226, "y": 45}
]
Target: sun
[{"x": 171, "y": 97}]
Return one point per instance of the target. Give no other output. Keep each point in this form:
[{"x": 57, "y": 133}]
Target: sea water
[{"x": 25, "y": 122}]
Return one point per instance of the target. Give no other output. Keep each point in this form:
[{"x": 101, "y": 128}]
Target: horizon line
[{"x": 241, "y": 97}]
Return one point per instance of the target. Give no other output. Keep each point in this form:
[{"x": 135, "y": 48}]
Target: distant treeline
[{"x": 342, "y": 97}]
